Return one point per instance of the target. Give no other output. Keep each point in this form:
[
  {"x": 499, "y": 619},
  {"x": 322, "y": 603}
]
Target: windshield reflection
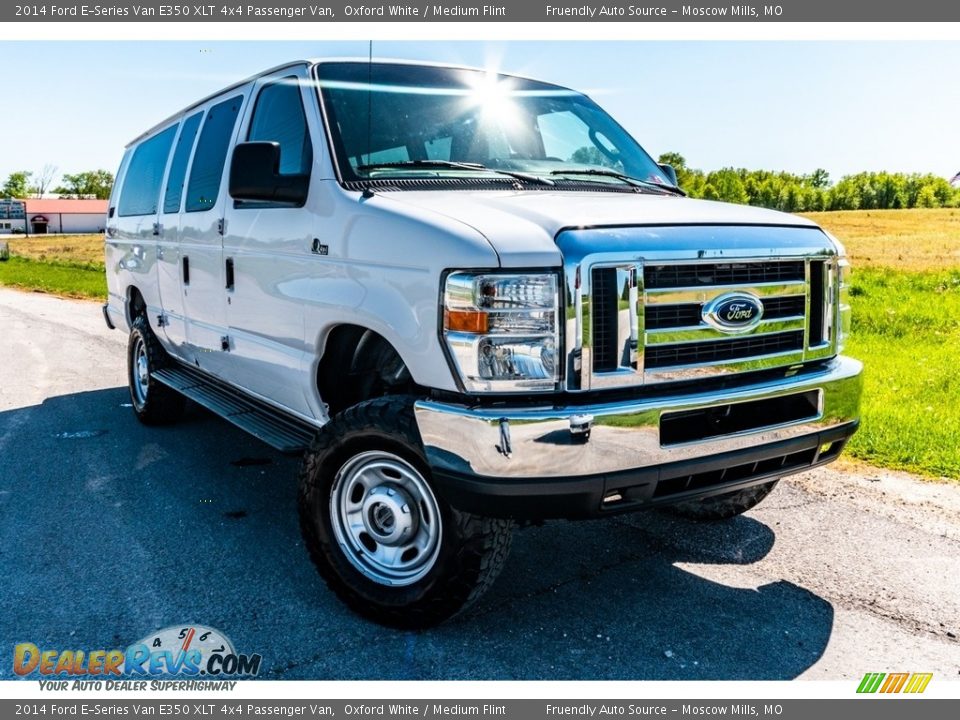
[{"x": 391, "y": 120}]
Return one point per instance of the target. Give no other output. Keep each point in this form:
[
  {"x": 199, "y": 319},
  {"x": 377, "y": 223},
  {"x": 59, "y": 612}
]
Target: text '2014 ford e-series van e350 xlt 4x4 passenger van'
[{"x": 469, "y": 299}]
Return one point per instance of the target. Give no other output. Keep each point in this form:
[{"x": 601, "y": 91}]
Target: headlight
[{"x": 503, "y": 330}]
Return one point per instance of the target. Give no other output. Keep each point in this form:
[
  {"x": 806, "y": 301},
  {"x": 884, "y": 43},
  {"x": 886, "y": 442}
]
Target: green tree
[
  {"x": 819, "y": 178},
  {"x": 814, "y": 191},
  {"x": 790, "y": 199},
  {"x": 92, "y": 183},
  {"x": 692, "y": 182},
  {"x": 927, "y": 197},
  {"x": 728, "y": 185},
  {"x": 678, "y": 161},
  {"x": 17, "y": 184}
]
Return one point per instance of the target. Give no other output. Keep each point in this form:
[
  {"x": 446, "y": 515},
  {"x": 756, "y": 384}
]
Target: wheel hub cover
[{"x": 387, "y": 515}]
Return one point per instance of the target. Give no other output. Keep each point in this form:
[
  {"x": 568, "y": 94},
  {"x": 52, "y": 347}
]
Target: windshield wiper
[
  {"x": 453, "y": 165},
  {"x": 634, "y": 182},
  {"x": 423, "y": 164}
]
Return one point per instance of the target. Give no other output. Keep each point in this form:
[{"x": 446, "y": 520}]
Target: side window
[
  {"x": 140, "y": 194},
  {"x": 211, "y": 154},
  {"x": 278, "y": 117},
  {"x": 178, "y": 168}
]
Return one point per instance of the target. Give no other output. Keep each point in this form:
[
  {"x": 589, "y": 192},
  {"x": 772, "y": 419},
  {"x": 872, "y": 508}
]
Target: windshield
[{"x": 408, "y": 121}]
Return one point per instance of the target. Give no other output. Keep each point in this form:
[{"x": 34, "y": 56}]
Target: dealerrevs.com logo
[
  {"x": 184, "y": 651},
  {"x": 889, "y": 683}
]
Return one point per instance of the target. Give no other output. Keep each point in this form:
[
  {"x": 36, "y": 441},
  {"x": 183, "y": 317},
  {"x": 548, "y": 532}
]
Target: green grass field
[
  {"x": 69, "y": 279},
  {"x": 906, "y": 330},
  {"x": 906, "y": 323},
  {"x": 67, "y": 265}
]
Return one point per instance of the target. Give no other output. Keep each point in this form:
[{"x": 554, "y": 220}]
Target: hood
[{"x": 522, "y": 225}]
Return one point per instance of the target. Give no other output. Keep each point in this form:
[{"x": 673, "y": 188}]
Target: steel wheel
[
  {"x": 153, "y": 403},
  {"x": 384, "y": 542},
  {"x": 385, "y": 517},
  {"x": 140, "y": 376}
]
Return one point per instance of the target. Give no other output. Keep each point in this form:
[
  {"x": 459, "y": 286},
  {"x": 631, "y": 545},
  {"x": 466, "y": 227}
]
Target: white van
[{"x": 469, "y": 299}]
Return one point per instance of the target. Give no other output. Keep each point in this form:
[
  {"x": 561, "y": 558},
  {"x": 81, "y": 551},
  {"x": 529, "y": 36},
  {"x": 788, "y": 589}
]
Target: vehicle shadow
[
  {"x": 110, "y": 530},
  {"x": 651, "y": 596}
]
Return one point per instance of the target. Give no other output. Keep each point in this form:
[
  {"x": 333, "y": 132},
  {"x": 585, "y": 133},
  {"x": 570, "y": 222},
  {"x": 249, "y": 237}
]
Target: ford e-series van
[{"x": 469, "y": 299}]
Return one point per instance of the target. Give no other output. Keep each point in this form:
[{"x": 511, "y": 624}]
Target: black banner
[
  {"x": 213, "y": 709},
  {"x": 323, "y": 11}
]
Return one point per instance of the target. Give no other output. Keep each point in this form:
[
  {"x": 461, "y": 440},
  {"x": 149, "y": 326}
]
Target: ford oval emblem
[{"x": 733, "y": 312}]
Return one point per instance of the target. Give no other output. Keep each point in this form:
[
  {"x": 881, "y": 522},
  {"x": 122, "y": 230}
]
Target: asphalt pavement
[{"x": 110, "y": 530}]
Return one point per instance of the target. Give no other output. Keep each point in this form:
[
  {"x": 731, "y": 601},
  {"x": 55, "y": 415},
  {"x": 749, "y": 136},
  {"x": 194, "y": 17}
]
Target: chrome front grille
[
  {"x": 717, "y": 351},
  {"x": 639, "y": 318},
  {"x": 692, "y": 275},
  {"x": 678, "y": 343}
]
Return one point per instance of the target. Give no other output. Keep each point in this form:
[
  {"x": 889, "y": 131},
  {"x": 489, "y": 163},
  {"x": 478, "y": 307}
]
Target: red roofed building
[{"x": 65, "y": 216}]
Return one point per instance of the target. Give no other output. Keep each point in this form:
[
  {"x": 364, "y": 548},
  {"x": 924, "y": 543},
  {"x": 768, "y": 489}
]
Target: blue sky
[{"x": 843, "y": 106}]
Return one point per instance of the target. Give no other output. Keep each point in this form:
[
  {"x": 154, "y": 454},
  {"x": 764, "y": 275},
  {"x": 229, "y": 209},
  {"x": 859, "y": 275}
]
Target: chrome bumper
[{"x": 542, "y": 443}]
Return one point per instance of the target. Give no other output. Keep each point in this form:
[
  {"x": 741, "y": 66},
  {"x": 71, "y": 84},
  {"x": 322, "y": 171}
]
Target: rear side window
[
  {"x": 140, "y": 194},
  {"x": 178, "y": 168},
  {"x": 279, "y": 117},
  {"x": 211, "y": 154}
]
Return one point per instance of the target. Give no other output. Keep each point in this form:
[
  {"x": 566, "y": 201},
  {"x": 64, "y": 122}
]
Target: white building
[
  {"x": 11, "y": 216},
  {"x": 65, "y": 216},
  {"x": 47, "y": 215}
]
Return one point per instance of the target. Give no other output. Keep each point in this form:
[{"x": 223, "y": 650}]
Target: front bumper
[{"x": 536, "y": 463}]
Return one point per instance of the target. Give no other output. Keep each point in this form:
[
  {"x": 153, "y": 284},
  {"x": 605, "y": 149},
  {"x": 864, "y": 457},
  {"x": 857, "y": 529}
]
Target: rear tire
[
  {"x": 723, "y": 507},
  {"x": 379, "y": 532},
  {"x": 153, "y": 402}
]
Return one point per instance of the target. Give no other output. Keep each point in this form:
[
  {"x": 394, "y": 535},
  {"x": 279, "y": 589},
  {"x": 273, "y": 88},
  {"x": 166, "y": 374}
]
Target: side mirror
[
  {"x": 670, "y": 173},
  {"x": 255, "y": 175}
]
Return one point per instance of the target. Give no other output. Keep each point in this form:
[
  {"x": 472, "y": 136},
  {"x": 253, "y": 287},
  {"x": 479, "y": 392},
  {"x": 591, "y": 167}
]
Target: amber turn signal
[{"x": 469, "y": 321}]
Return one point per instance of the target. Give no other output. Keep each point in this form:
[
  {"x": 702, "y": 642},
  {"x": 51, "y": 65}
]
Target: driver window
[{"x": 279, "y": 117}]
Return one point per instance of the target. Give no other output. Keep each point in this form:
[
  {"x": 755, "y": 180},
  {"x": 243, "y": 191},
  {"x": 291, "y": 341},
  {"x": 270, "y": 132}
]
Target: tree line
[
  {"x": 88, "y": 184},
  {"x": 805, "y": 193}
]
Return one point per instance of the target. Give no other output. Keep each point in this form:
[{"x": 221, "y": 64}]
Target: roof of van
[{"x": 311, "y": 62}]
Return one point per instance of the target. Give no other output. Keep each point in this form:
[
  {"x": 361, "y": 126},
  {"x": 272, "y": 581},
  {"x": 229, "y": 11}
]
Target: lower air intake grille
[
  {"x": 747, "y": 471},
  {"x": 715, "y": 351}
]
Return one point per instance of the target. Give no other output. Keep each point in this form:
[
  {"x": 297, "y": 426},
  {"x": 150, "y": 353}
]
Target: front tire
[
  {"x": 153, "y": 402},
  {"x": 726, "y": 506},
  {"x": 380, "y": 533}
]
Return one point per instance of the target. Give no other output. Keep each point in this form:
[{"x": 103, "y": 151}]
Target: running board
[{"x": 279, "y": 430}]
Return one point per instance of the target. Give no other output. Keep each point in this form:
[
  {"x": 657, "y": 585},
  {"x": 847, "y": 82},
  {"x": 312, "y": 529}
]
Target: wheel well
[
  {"x": 359, "y": 364},
  {"x": 136, "y": 306}
]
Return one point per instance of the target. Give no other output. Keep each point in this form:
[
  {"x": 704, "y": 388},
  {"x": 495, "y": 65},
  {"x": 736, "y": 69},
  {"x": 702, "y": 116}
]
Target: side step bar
[{"x": 279, "y": 430}]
